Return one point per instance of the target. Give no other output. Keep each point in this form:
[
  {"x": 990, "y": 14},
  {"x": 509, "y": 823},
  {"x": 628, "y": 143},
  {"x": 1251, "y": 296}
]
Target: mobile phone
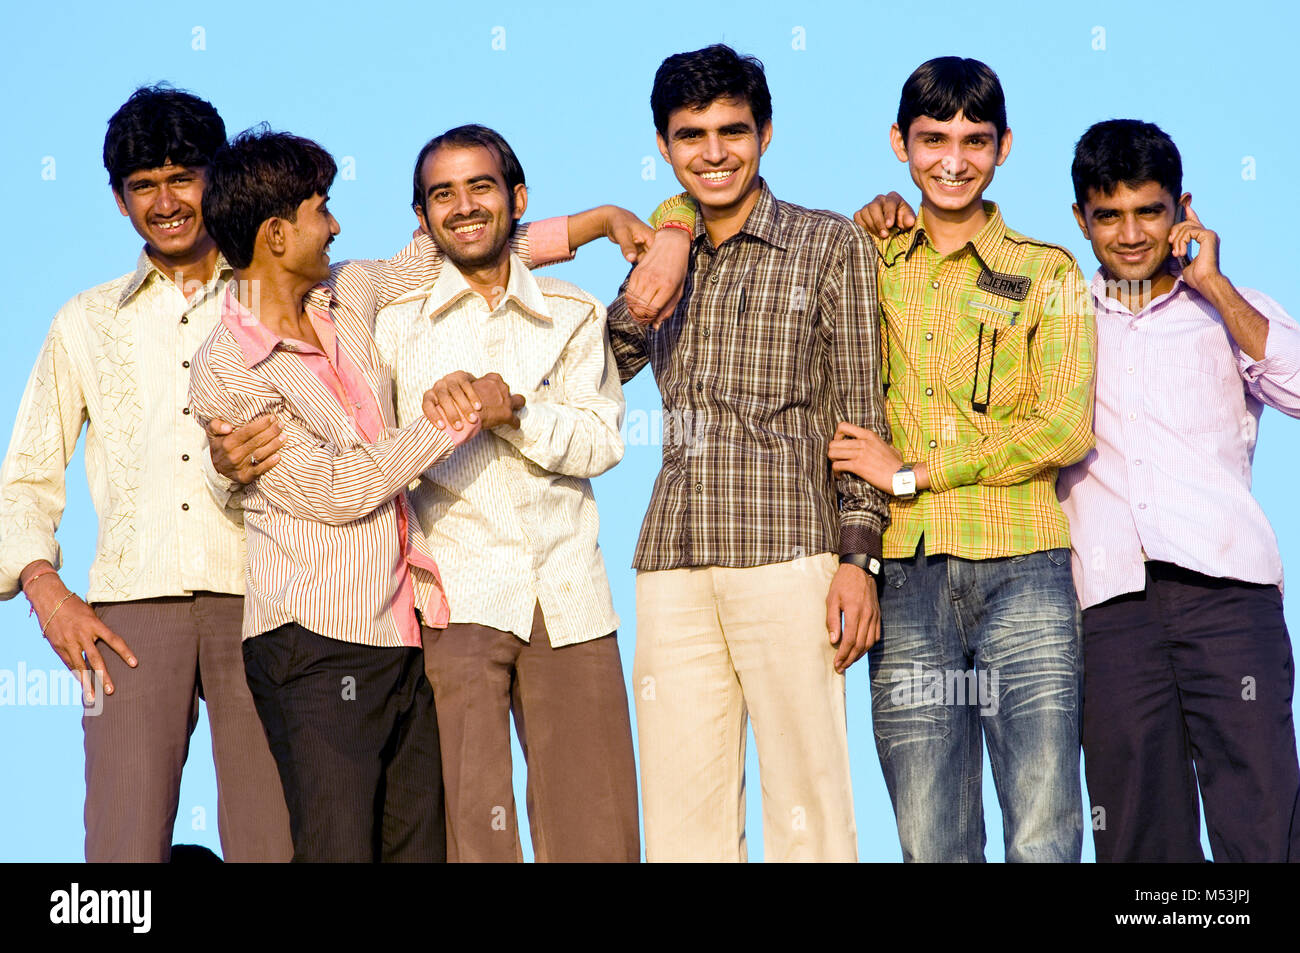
[{"x": 1180, "y": 215}]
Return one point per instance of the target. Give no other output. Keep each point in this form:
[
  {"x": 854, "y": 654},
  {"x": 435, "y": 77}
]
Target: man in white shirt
[
  {"x": 512, "y": 523},
  {"x": 161, "y": 625}
]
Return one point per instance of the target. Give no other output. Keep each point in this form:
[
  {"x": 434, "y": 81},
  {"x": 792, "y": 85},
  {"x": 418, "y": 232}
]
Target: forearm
[
  {"x": 1249, "y": 328},
  {"x": 315, "y": 482}
]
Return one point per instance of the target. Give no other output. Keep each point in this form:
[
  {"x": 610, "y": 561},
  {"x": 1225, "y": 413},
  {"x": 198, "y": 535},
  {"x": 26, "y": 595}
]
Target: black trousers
[
  {"x": 354, "y": 734},
  {"x": 1190, "y": 680}
]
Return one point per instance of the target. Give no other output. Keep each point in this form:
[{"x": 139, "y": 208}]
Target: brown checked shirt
[{"x": 775, "y": 340}]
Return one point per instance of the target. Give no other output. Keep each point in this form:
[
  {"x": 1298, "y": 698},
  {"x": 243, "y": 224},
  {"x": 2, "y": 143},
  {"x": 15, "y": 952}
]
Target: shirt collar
[
  {"x": 1105, "y": 302},
  {"x": 256, "y": 341},
  {"x": 145, "y": 267},
  {"x": 986, "y": 244},
  {"x": 521, "y": 288},
  {"x": 763, "y": 223}
]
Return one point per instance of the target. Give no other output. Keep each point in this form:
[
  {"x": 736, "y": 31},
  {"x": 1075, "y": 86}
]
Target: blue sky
[{"x": 568, "y": 85}]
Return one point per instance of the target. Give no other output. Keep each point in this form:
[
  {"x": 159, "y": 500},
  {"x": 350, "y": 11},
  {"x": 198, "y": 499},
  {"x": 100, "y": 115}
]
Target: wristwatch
[
  {"x": 868, "y": 564},
  {"x": 905, "y": 482}
]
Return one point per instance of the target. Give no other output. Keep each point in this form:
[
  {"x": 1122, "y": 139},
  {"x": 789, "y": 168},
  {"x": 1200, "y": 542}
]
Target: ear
[
  {"x": 897, "y": 142},
  {"x": 1004, "y": 146},
  {"x": 424, "y": 224},
  {"x": 663, "y": 147},
  {"x": 274, "y": 235},
  {"x": 1186, "y": 201},
  {"x": 121, "y": 204},
  {"x": 521, "y": 201},
  {"x": 1083, "y": 222},
  {"x": 764, "y": 137}
]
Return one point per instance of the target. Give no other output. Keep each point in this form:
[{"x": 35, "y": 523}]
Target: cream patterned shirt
[
  {"x": 510, "y": 516},
  {"x": 112, "y": 352}
]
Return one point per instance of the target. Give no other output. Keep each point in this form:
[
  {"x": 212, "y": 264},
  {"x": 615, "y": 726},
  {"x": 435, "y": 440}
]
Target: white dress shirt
[
  {"x": 510, "y": 516},
  {"x": 1177, "y": 415},
  {"x": 118, "y": 356}
]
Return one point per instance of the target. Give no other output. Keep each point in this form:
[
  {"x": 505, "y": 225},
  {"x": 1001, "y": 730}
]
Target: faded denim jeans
[{"x": 974, "y": 651}]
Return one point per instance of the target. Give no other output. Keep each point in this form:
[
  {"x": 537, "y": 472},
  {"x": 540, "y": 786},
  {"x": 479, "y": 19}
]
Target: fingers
[
  {"x": 833, "y": 616},
  {"x": 852, "y": 430},
  {"x": 455, "y": 401},
  {"x": 844, "y": 449},
  {"x": 218, "y": 427}
]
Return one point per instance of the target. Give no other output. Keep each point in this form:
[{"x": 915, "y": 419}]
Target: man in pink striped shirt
[
  {"x": 337, "y": 567},
  {"x": 1188, "y": 670}
]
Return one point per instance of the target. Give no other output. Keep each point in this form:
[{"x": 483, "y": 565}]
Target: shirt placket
[{"x": 190, "y": 332}]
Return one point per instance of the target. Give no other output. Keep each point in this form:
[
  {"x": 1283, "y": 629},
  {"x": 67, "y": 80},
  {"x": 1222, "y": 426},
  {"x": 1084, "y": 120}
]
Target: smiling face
[
  {"x": 166, "y": 207},
  {"x": 951, "y": 162},
  {"x": 715, "y": 153},
  {"x": 1129, "y": 229},
  {"x": 467, "y": 206},
  {"x": 307, "y": 239}
]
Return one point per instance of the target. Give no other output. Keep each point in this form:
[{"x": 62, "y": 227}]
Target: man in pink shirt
[
  {"x": 337, "y": 566},
  {"x": 1188, "y": 670}
]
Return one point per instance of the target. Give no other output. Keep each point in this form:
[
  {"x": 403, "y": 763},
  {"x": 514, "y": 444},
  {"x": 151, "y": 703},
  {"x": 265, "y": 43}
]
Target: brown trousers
[
  {"x": 570, "y": 710},
  {"x": 188, "y": 647}
]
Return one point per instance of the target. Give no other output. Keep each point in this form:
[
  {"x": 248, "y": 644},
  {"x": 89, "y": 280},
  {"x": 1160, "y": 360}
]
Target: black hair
[
  {"x": 694, "y": 80},
  {"x": 159, "y": 123},
  {"x": 1126, "y": 151},
  {"x": 260, "y": 175},
  {"x": 947, "y": 85},
  {"x": 464, "y": 137}
]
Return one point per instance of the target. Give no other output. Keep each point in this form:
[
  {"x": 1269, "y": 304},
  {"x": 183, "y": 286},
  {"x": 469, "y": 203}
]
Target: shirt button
[
  {"x": 185, "y": 363},
  {"x": 713, "y": 278},
  {"x": 1132, "y": 416},
  {"x": 185, "y": 320},
  {"x": 929, "y": 336},
  {"x": 699, "y": 488},
  {"x": 934, "y": 284},
  {"x": 1137, "y": 463},
  {"x": 185, "y": 457},
  {"x": 705, "y": 332},
  {"x": 929, "y": 392},
  {"x": 933, "y": 444},
  {"x": 1142, "y": 506},
  {"x": 185, "y": 410},
  {"x": 1130, "y": 370},
  {"x": 185, "y": 506},
  {"x": 699, "y": 385}
]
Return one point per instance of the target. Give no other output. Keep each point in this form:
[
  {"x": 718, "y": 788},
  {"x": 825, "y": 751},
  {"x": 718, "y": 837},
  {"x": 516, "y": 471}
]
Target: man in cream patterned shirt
[{"x": 512, "y": 523}]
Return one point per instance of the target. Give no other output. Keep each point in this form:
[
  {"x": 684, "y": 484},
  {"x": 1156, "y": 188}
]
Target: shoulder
[
  {"x": 568, "y": 296},
  {"x": 819, "y": 221},
  {"x": 100, "y": 300},
  {"x": 1048, "y": 255},
  {"x": 219, "y": 352}
]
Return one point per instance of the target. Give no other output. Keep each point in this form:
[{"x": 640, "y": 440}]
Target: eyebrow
[{"x": 470, "y": 181}]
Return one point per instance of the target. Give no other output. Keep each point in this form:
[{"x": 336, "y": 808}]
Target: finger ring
[{"x": 253, "y": 459}]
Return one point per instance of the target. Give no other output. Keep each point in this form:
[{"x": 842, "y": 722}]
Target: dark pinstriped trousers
[{"x": 188, "y": 648}]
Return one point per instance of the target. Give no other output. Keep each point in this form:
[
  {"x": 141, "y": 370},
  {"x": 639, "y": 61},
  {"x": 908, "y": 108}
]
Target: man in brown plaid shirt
[{"x": 751, "y": 553}]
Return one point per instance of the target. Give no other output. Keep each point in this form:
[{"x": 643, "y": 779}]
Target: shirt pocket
[
  {"x": 772, "y": 350},
  {"x": 1192, "y": 393},
  {"x": 985, "y": 371}
]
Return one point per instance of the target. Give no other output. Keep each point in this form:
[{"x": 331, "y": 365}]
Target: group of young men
[{"x": 373, "y": 538}]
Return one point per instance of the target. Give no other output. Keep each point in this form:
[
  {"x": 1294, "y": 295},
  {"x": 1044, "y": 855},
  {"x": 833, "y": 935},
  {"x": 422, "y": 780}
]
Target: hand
[
  {"x": 73, "y": 629},
  {"x": 1205, "y": 266},
  {"x": 861, "y": 451},
  {"x": 632, "y": 236},
  {"x": 656, "y": 283},
  {"x": 500, "y": 407},
  {"x": 245, "y": 454},
  {"x": 883, "y": 213},
  {"x": 460, "y": 399},
  {"x": 853, "y": 596}
]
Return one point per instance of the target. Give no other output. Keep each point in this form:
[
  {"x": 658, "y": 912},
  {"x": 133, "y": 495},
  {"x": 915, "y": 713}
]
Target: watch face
[
  {"x": 904, "y": 483},
  {"x": 874, "y": 566}
]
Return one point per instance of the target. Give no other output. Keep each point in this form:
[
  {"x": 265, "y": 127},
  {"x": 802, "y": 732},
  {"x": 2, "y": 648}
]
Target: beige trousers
[{"x": 713, "y": 647}]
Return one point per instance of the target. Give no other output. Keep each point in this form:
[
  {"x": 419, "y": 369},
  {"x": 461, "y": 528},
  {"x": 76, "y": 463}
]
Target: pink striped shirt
[{"x": 1177, "y": 414}]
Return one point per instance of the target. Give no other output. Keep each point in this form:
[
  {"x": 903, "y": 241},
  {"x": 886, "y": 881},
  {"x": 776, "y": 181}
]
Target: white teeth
[
  {"x": 172, "y": 226},
  {"x": 465, "y": 229},
  {"x": 952, "y": 182},
  {"x": 717, "y": 176}
]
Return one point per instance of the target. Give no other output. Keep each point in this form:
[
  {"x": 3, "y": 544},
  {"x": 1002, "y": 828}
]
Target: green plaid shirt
[{"x": 988, "y": 364}]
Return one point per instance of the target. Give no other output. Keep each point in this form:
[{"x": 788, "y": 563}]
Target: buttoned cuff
[
  {"x": 950, "y": 467},
  {"x": 860, "y": 539},
  {"x": 1281, "y": 354}
]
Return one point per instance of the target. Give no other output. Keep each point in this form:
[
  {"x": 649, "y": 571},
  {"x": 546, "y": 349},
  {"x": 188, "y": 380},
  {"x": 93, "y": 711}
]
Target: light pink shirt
[{"x": 1177, "y": 413}]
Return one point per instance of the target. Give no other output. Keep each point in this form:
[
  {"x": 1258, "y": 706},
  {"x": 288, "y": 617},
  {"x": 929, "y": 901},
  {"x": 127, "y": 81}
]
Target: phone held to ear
[{"x": 1180, "y": 215}]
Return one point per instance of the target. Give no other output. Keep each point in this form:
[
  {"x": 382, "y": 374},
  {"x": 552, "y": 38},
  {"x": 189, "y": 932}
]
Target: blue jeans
[{"x": 980, "y": 647}]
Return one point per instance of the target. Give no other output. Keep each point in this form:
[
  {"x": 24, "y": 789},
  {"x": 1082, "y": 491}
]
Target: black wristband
[{"x": 868, "y": 564}]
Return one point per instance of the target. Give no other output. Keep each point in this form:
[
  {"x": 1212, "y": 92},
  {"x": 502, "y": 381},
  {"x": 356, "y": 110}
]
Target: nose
[
  {"x": 335, "y": 228},
  {"x": 1129, "y": 231},
  {"x": 166, "y": 202},
  {"x": 713, "y": 149},
  {"x": 464, "y": 202}
]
